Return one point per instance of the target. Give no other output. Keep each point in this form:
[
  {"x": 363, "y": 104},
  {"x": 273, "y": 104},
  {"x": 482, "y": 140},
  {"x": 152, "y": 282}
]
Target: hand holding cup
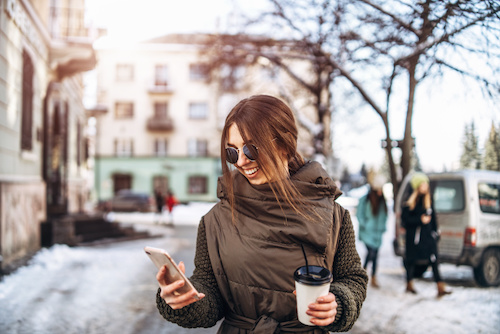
[{"x": 316, "y": 306}]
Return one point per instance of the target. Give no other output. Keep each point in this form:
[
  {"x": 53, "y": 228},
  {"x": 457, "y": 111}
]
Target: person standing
[
  {"x": 419, "y": 220},
  {"x": 170, "y": 201},
  {"x": 272, "y": 202},
  {"x": 159, "y": 204},
  {"x": 372, "y": 217}
]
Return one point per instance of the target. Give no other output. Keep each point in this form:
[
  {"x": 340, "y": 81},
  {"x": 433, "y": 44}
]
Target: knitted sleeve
[
  {"x": 349, "y": 279},
  {"x": 207, "y": 311}
]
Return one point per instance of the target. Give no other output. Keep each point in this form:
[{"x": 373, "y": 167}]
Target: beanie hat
[
  {"x": 417, "y": 179},
  {"x": 377, "y": 182}
]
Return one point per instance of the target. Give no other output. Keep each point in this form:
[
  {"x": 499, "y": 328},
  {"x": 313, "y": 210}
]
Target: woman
[
  {"x": 419, "y": 220},
  {"x": 372, "y": 217},
  {"x": 159, "y": 204},
  {"x": 249, "y": 244}
]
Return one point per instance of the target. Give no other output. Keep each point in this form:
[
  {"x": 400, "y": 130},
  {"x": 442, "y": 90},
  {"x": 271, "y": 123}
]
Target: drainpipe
[{"x": 45, "y": 122}]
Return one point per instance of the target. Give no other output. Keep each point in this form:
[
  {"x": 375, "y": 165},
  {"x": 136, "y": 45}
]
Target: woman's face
[
  {"x": 423, "y": 188},
  {"x": 250, "y": 169}
]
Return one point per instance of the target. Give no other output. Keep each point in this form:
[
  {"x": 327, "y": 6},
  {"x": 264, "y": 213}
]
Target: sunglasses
[{"x": 250, "y": 151}]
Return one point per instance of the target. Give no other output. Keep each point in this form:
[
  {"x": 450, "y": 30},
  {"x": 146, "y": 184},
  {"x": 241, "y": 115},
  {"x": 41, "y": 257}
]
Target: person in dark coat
[
  {"x": 419, "y": 220},
  {"x": 159, "y": 204},
  {"x": 272, "y": 202}
]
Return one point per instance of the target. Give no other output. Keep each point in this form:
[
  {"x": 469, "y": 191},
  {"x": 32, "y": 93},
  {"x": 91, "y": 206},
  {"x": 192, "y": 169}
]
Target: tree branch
[
  {"x": 420, "y": 49},
  {"x": 359, "y": 87},
  {"x": 392, "y": 16}
]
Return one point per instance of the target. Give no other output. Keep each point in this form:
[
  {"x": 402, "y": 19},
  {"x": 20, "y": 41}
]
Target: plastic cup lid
[{"x": 317, "y": 275}]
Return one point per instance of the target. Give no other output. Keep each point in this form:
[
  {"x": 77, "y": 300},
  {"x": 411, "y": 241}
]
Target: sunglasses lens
[
  {"x": 231, "y": 155},
  {"x": 250, "y": 152}
]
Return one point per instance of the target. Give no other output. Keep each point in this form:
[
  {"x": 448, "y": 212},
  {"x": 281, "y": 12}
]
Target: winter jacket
[
  {"x": 246, "y": 269},
  {"x": 170, "y": 202},
  {"x": 421, "y": 239},
  {"x": 371, "y": 228}
]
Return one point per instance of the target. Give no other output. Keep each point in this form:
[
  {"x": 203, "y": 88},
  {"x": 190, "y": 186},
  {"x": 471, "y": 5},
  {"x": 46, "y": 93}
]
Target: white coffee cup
[{"x": 310, "y": 285}]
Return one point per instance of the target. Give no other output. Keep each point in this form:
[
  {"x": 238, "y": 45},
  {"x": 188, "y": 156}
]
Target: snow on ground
[
  {"x": 100, "y": 276},
  {"x": 183, "y": 214},
  {"x": 106, "y": 288}
]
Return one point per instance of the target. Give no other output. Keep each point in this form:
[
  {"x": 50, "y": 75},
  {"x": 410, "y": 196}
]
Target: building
[
  {"x": 157, "y": 125},
  {"x": 43, "y": 167},
  {"x": 159, "y": 119}
]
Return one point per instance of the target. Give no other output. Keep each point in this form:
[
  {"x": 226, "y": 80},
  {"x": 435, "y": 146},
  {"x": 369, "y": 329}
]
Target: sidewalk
[{"x": 183, "y": 214}]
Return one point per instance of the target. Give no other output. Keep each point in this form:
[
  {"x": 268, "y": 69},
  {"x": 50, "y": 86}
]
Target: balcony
[
  {"x": 160, "y": 89},
  {"x": 156, "y": 123}
]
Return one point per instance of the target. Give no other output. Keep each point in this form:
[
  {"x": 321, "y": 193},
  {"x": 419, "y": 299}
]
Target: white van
[{"x": 467, "y": 206}]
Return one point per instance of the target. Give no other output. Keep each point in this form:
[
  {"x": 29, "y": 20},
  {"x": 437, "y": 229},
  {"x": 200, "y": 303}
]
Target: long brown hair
[
  {"x": 375, "y": 200},
  {"x": 270, "y": 124}
]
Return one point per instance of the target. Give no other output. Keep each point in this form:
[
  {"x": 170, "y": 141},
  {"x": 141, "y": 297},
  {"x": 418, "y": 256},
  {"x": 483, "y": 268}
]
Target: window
[
  {"x": 161, "y": 75},
  {"x": 27, "y": 104},
  {"x": 121, "y": 182},
  {"x": 124, "y": 147},
  {"x": 197, "y": 148},
  {"x": 160, "y": 147},
  {"x": 161, "y": 110},
  {"x": 489, "y": 197},
  {"x": 198, "y": 185},
  {"x": 124, "y": 110},
  {"x": 198, "y": 72},
  {"x": 124, "y": 72},
  {"x": 198, "y": 110},
  {"x": 448, "y": 195},
  {"x": 232, "y": 78}
]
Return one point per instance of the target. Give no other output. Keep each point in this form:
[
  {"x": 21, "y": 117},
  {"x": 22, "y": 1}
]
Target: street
[
  {"x": 111, "y": 288},
  {"x": 98, "y": 289}
]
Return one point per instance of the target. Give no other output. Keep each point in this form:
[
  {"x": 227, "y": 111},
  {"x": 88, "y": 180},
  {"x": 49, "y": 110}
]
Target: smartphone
[{"x": 160, "y": 258}]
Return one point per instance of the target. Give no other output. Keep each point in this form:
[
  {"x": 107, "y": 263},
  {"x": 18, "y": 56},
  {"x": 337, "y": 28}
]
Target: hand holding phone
[{"x": 161, "y": 258}]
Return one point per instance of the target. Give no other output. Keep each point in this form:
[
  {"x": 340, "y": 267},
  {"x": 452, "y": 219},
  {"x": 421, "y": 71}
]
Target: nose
[{"x": 242, "y": 158}]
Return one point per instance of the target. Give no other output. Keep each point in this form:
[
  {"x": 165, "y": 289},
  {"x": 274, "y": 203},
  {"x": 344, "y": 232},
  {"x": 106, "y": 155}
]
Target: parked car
[
  {"x": 467, "y": 206},
  {"x": 129, "y": 201}
]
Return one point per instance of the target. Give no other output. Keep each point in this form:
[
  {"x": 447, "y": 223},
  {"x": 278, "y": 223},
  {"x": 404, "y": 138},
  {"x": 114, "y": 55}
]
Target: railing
[
  {"x": 160, "y": 89},
  {"x": 163, "y": 123}
]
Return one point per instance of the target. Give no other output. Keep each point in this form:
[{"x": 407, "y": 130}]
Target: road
[
  {"x": 111, "y": 289},
  {"x": 98, "y": 289}
]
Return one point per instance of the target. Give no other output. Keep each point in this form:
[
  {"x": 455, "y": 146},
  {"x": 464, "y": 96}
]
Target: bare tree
[
  {"x": 228, "y": 53},
  {"x": 418, "y": 40},
  {"x": 378, "y": 46}
]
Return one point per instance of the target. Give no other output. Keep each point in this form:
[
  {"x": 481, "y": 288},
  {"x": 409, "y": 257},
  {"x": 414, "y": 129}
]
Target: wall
[
  {"x": 177, "y": 170},
  {"x": 22, "y": 209},
  {"x": 24, "y": 26}
]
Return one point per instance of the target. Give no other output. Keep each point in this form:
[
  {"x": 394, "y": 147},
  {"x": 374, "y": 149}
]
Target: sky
[{"x": 440, "y": 115}]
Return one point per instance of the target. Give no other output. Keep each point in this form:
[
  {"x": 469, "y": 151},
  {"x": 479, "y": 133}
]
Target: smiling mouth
[{"x": 251, "y": 171}]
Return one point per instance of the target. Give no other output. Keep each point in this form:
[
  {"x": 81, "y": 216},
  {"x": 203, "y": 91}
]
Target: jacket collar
[{"x": 311, "y": 180}]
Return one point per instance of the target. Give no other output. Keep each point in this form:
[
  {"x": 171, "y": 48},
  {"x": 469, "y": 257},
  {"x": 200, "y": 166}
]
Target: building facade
[
  {"x": 159, "y": 118},
  {"x": 43, "y": 168},
  {"x": 156, "y": 121}
]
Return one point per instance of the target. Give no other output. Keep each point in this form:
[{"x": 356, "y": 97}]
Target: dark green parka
[{"x": 246, "y": 269}]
